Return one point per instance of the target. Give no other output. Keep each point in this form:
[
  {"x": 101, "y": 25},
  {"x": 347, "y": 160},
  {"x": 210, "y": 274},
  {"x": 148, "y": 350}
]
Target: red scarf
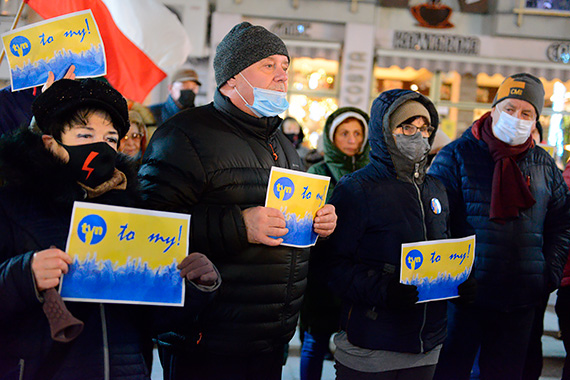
[{"x": 510, "y": 192}]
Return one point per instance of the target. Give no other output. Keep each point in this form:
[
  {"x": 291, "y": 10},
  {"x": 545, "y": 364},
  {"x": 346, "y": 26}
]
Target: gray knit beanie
[
  {"x": 522, "y": 86},
  {"x": 244, "y": 45}
]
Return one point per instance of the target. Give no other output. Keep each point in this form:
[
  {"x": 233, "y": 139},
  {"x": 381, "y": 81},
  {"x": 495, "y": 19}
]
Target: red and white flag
[{"x": 144, "y": 40}]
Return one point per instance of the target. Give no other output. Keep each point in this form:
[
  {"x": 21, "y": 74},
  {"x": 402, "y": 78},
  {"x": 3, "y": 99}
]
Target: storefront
[{"x": 461, "y": 74}]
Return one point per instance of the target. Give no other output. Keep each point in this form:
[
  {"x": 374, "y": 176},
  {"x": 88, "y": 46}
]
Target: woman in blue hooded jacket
[{"x": 391, "y": 201}]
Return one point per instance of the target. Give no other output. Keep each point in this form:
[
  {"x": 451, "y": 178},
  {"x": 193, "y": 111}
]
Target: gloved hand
[
  {"x": 467, "y": 291},
  {"x": 197, "y": 268},
  {"x": 401, "y": 296}
]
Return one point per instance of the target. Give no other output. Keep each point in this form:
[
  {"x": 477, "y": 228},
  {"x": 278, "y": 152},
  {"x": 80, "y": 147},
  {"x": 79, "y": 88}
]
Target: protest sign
[
  {"x": 298, "y": 195},
  {"x": 125, "y": 255},
  {"x": 437, "y": 267},
  {"x": 54, "y": 45}
]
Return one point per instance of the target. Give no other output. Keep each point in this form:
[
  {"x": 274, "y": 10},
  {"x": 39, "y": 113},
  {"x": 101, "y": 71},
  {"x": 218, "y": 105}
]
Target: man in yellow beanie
[{"x": 508, "y": 192}]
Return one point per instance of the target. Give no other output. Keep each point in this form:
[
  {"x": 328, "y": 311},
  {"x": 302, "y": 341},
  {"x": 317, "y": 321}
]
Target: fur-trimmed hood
[{"x": 27, "y": 165}]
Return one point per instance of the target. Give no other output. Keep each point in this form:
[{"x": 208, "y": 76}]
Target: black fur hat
[{"x": 66, "y": 95}]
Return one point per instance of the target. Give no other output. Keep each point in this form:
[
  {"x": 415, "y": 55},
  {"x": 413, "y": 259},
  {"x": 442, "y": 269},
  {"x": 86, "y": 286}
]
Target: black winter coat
[
  {"x": 212, "y": 162},
  {"x": 35, "y": 213},
  {"x": 517, "y": 263},
  {"x": 380, "y": 207}
]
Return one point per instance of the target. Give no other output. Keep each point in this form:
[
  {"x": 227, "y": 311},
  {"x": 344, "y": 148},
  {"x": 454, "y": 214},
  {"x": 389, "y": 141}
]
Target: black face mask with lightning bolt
[{"x": 92, "y": 164}]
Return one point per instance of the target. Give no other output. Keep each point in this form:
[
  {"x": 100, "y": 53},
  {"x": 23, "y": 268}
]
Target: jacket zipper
[
  {"x": 422, "y": 328},
  {"x": 22, "y": 365},
  {"x": 416, "y": 175},
  {"x": 105, "y": 343},
  {"x": 290, "y": 282},
  {"x": 275, "y": 156}
]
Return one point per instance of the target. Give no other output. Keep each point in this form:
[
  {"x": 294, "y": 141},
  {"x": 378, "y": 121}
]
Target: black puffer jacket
[
  {"x": 35, "y": 212},
  {"x": 518, "y": 262},
  {"x": 212, "y": 162},
  {"x": 380, "y": 207}
]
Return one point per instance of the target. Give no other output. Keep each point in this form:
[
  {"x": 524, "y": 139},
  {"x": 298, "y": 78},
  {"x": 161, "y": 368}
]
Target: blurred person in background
[{"x": 182, "y": 90}]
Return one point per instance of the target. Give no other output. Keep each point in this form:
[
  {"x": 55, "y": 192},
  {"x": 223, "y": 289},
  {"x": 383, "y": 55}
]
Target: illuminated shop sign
[
  {"x": 559, "y": 52},
  {"x": 444, "y": 43}
]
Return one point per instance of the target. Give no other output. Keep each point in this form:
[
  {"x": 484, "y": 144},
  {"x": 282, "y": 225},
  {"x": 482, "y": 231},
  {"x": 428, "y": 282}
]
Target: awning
[
  {"x": 313, "y": 49},
  {"x": 470, "y": 64}
]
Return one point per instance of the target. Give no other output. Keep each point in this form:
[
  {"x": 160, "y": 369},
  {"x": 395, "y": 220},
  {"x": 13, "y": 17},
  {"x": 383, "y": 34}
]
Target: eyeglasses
[
  {"x": 134, "y": 136},
  {"x": 410, "y": 129}
]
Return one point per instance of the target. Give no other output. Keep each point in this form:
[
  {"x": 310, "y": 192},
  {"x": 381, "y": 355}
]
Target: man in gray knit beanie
[
  {"x": 251, "y": 70},
  {"x": 214, "y": 162},
  {"x": 243, "y": 46}
]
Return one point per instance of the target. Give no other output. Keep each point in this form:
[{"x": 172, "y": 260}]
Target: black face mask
[
  {"x": 92, "y": 164},
  {"x": 186, "y": 98}
]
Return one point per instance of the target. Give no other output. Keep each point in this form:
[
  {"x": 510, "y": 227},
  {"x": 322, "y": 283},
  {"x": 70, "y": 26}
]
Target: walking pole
[{"x": 20, "y": 10}]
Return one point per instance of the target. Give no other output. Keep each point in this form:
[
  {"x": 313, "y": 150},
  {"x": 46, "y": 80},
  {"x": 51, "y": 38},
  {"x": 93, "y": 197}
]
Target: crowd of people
[{"x": 245, "y": 290}]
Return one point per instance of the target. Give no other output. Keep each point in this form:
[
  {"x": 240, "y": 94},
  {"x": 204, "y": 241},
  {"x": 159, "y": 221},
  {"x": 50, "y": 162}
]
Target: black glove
[
  {"x": 467, "y": 291},
  {"x": 400, "y": 296}
]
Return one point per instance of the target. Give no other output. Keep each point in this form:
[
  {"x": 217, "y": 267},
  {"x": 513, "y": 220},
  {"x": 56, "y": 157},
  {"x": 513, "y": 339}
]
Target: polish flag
[{"x": 144, "y": 40}]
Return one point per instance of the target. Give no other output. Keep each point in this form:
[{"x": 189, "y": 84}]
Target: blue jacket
[
  {"x": 380, "y": 207},
  {"x": 518, "y": 262},
  {"x": 164, "y": 111}
]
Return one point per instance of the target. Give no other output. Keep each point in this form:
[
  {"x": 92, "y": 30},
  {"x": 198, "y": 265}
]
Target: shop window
[
  {"x": 313, "y": 93},
  {"x": 557, "y": 5},
  {"x": 408, "y": 78}
]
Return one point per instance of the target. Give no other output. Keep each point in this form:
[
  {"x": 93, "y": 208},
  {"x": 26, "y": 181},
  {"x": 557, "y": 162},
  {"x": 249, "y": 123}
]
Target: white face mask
[{"x": 511, "y": 130}]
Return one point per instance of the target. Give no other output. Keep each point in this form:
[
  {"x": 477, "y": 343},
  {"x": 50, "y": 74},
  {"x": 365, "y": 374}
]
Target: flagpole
[{"x": 20, "y": 10}]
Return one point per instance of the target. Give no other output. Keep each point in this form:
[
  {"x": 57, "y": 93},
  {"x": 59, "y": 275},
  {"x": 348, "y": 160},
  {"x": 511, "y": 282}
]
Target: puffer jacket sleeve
[
  {"x": 350, "y": 278},
  {"x": 557, "y": 230},
  {"x": 172, "y": 178},
  {"x": 17, "y": 293},
  {"x": 445, "y": 167}
]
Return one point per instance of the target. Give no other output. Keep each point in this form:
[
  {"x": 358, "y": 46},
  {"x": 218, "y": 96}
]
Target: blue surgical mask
[{"x": 266, "y": 103}]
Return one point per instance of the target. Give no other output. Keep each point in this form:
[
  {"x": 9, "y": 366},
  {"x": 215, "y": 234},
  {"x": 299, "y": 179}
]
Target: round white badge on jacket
[{"x": 435, "y": 206}]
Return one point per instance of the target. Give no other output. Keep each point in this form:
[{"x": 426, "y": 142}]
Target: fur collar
[{"x": 32, "y": 169}]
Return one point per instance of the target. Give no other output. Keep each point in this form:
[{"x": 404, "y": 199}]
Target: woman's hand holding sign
[{"x": 48, "y": 266}]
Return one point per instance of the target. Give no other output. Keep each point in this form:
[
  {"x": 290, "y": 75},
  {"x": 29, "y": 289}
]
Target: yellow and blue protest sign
[
  {"x": 437, "y": 267},
  {"x": 125, "y": 255},
  {"x": 298, "y": 196},
  {"x": 54, "y": 45}
]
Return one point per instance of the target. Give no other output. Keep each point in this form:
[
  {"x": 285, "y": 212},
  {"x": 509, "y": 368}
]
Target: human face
[
  {"x": 269, "y": 73},
  {"x": 176, "y": 87},
  {"x": 131, "y": 143},
  {"x": 348, "y": 137},
  {"x": 420, "y": 123},
  {"x": 98, "y": 128},
  {"x": 521, "y": 109}
]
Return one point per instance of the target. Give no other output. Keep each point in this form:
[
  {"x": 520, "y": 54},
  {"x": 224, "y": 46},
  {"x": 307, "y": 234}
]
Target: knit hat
[
  {"x": 66, "y": 95},
  {"x": 183, "y": 75},
  {"x": 406, "y": 110},
  {"x": 522, "y": 86},
  {"x": 243, "y": 46}
]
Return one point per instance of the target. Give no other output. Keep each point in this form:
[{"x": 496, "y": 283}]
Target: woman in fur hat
[{"x": 71, "y": 155}]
